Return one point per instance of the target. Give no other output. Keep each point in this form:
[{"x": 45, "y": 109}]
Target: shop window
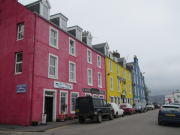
[{"x": 74, "y": 95}]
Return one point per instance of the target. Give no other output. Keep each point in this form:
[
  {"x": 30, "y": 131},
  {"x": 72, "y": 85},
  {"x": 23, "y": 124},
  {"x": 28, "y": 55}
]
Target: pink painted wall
[
  {"x": 15, "y": 108},
  {"x": 41, "y": 80}
]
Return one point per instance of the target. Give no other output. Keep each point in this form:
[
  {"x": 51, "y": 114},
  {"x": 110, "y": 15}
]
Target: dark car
[
  {"x": 157, "y": 105},
  {"x": 93, "y": 108},
  {"x": 169, "y": 113},
  {"x": 139, "y": 108}
]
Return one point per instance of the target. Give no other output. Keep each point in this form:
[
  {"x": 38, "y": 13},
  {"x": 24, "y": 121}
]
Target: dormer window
[
  {"x": 76, "y": 31},
  {"x": 87, "y": 38},
  {"x": 64, "y": 24},
  {"x": 45, "y": 12}
]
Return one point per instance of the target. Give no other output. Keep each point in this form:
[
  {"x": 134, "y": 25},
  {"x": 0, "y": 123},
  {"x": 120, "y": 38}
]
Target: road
[{"x": 137, "y": 124}]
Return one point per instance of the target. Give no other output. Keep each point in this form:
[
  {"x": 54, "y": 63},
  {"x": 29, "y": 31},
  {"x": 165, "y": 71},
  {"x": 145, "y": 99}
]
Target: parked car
[
  {"x": 93, "y": 108},
  {"x": 156, "y": 105},
  {"x": 150, "y": 106},
  {"x": 139, "y": 108},
  {"x": 169, "y": 113},
  {"x": 128, "y": 109},
  {"x": 117, "y": 110},
  {"x": 145, "y": 107}
]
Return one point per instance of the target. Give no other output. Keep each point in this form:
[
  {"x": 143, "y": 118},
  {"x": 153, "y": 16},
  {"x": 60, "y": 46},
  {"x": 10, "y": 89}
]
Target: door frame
[
  {"x": 54, "y": 102},
  {"x": 62, "y": 91}
]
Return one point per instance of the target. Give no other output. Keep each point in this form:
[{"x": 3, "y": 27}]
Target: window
[
  {"x": 99, "y": 61},
  {"x": 136, "y": 70},
  {"x": 72, "y": 48},
  {"x": 117, "y": 69},
  {"x": 110, "y": 64},
  {"x": 90, "y": 77},
  {"x": 63, "y": 101},
  {"x": 111, "y": 83},
  {"x": 99, "y": 80},
  {"x": 128, "y": 75},
  {"x": 20, "y": 33},
  {"x": 119, "y": 100},
  {"x": 115, "y": 98},
  {"x": 119, "y": 86},
  {"x": 87, "y": 94},
  {"x": 95, "y": 95},
  {"x": 74, "y": 95},
  {"x": 138, "y": 91},
  {"x": 45, "y": 12},
  {"x": 129, "y": 89},
  {"x": 18, "y": 64},
  {"x": 53, "y": 38},
  {"x": 134, "y": 79},
  {"x": 89, "y": 56},
  {"x": 137, "y": 80},
  {"x": 141, "y": 92},
  {"x": 72, "y": 72},
  {"x": 124, "y": 73},
  {"x": 64, "y": 24},
  {"x": 140, "y": 81},
  {"x": 112, "y": 99},
  {"x": 101, "y": 96},
  {"x": 125, "y": 87},
  {"x": 135, "y": 91},
  {"x": 53, "y": 66}
]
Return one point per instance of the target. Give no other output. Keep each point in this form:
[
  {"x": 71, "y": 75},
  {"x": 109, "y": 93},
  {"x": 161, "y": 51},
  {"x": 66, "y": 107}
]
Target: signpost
[{"x": 21, "y": 88}]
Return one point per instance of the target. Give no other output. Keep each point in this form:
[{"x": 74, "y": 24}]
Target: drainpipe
[{"x": 33, "y": 70}]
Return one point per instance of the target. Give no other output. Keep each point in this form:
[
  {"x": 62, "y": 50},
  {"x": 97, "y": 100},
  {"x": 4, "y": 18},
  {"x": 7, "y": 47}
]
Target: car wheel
[
  {"x": 134, "y": 112},
  {"x": 130, "y": 113},
  {"x": 159, "y": 123},
  {"x": 99, "y": 117},
  {"x": 141, "y": 111},
  {"x": 81, "y": 119},
  {"x": 123, "y": 115},
  {"x": 111, "y": 116}
]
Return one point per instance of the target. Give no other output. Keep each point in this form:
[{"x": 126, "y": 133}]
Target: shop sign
[
  {"x": 101, "y": 92},
  {"x": 21, "y": 88},
  {"x": 95, "y": 91},
  {"x": 63, "y": 85},
  {"x": 86, "y": 90},
  {"x": 123, "y": 96},
  {"x": 43, "y": 119}
]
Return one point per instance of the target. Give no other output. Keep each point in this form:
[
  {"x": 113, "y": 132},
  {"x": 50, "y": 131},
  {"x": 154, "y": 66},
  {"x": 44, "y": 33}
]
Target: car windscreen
[
  {"x": 96, "y": 102},
  {"x": 170, "y": 108}
]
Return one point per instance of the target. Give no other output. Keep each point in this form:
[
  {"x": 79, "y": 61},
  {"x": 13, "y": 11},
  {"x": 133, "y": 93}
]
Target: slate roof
[
  {"x": 60, "y": 14},
  {"x": 33, "y": 3},
  {"x": 76, "y": 26}
]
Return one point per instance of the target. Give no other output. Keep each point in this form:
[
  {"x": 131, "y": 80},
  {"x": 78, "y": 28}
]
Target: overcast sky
[{"x": 148, "y": 29}]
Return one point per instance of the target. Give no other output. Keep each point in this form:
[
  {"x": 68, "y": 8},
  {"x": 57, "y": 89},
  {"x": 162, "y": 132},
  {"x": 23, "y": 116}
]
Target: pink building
[{"x": 44, "y": 64}]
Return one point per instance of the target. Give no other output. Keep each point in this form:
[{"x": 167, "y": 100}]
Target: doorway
[{"x": 48, "y": 108}]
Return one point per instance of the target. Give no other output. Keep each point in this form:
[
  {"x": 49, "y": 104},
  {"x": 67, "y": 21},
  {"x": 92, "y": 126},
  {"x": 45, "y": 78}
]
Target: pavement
[{"x": 39, "y": 128}]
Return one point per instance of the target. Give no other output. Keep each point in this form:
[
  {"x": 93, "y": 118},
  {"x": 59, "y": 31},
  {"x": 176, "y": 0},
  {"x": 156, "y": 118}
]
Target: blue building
[{"x": 138, "y": 82}]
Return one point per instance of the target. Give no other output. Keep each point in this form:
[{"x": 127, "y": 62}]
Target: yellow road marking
[{"x": 56, "y": 128}]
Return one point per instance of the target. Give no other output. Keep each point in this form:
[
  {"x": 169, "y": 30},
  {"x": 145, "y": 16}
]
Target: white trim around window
[
  {"x": 89, "y": 56},
  {"x": 53, "y": 37},
  {"x": 72, "y": 72},
  {"x": 66, "y": 100},
  {"x": 119, "y": 86},
  {"x": 111, "y": 99},
  {"x": 111, "y": 83},
  {"x": 99, "y": 80},
  {"x": 110, "y": 65},
  {"x": 18, "y": 63},
  {"x": 95, "y": 95},
  {"x": 99, "y": 61},
  {"x": 72, "y": 47},
  {"x": 86, "y": 94},
  {"x": 20, "y": 31},
  {"x": 53, "y": 66},
  {"x": 129, "y": 75},
  {"x": 89, "y": 76},
  {"x": 76, "y": 94},
  {"x": 129, "y": 89}
]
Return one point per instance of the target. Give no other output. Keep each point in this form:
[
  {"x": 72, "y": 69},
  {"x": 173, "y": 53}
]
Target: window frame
[
  {"x": 50, "y": 44},
  {"x": 56, "y": 67},
  {"x": 101, "y": 96},
  {"x": 115, "y": 100},
  {"x": 119, "y": 86},
  {"x": 73, "y": 112},
  {"x": 20, "y": 24},
  {"x": 90, "y": 84},
  {"x": 129, "y": 75},
  {"x": 62, "y": 91},
  {"x": 46, "y": 12},
  {"x": 112, "y": 98},
  {"x": 111, "y": 84},
  {"x": 88, "y": 94},
  {"x": 99, "y": 61},
  {"x": 129, "y": 89},
  {"x": 100, "y": 86},
  {"x": 94, "y": 95},
  {"x": 124, "y": 73},
  {"x": 21, "y": 62},
  {"x": 89, "y": 56},
  {"x": 74, "y": 80},
  {"x": 70, "y": 39},
  {"x": 110, "y": 65},
  {"x": 119, "y": 100},
  {"x": 117, "y": 69}
]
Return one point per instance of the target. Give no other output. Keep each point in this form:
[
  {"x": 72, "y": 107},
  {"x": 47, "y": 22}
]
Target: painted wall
[
  {"x": 15, "y": 108},
  {"x": 114, "y": 75},
  {"x": 41, "y": 80}
]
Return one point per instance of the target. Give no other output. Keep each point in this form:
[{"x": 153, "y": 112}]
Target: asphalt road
[{"x": 137, "y": 124}]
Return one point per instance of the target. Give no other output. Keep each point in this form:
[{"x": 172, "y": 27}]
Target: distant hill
[{"x": 157, "y": 98}]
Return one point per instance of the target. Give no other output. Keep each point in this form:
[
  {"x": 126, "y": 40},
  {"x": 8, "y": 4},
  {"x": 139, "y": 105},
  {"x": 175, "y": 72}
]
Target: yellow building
[{"x": 118, "y": 80}]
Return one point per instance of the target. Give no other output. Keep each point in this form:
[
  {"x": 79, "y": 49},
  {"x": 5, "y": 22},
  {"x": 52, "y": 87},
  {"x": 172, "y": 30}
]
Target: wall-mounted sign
[
  {"x": 21, "y": 88},
  {"x": 121, "y": 79},
  {"x": 93, "y": 91},
  {"x": 63, "y": 85},
  {"x": 123, "y": 96}
]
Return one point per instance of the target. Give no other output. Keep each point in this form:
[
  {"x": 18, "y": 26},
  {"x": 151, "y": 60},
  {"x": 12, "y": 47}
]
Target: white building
[{"x": 173, "y": 98}]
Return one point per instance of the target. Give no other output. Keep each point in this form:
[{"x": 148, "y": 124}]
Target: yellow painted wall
[{"x": 115, "y": 93}]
